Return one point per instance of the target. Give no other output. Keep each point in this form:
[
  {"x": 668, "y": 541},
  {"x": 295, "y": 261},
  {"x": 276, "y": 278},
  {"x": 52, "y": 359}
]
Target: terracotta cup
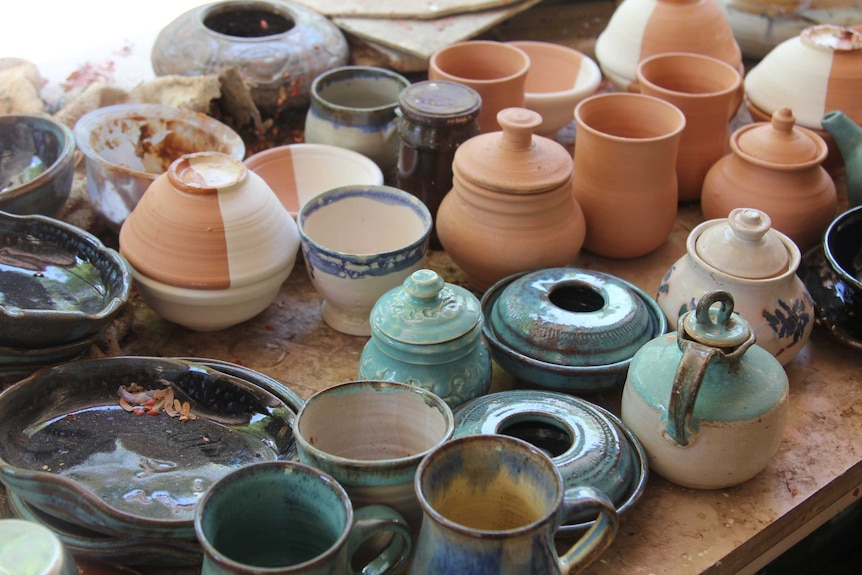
[
  {"x": 496, "y": 70},
  {"x": 706, "y": 90},
  {"x": 625, "y": 172}
]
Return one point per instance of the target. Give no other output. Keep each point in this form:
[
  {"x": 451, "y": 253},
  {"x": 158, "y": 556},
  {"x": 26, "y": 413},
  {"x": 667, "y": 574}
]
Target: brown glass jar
[{"x": 436, "y": 118}]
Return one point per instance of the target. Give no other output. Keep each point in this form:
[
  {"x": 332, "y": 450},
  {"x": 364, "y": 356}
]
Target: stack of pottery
[
  {"x": 209, "y": 243},
  {"x": 511, "y": 207}
]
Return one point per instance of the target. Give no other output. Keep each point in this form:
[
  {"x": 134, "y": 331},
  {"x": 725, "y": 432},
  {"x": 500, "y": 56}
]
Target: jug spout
[{"x": 848, "y": 136}]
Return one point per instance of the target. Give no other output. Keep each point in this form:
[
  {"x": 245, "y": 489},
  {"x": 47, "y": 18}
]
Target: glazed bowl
[
  {"x": 129, "y": 145},
  {"x": 358, "y": 243},
  {"x": 72, "y": 446},
  {"x": 298, "y": 172},
  {"x": 559, "y": 77},
  {"x": 37, "y": 164},
  {"x": 61, "y": 285},
  {"x": 842, "y": 246},
  {"x": 568, "y": 329}
]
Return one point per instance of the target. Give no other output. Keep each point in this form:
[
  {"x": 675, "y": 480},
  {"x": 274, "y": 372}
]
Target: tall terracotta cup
[
  {"x": 706, "y": 90},
  {"x": 496, "y": 70},
  {"x": 625, "y": 172}
]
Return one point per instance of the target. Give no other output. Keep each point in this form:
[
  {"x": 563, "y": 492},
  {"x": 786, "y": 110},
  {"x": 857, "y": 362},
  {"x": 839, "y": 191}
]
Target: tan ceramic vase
[
  {"x": 777, "y": 168},
  {"x": 510, "y": 208},
  {"x": 706, "y": 90},
  {"x": 625, "y": 172},
  {"x": 209, "y": 223}
]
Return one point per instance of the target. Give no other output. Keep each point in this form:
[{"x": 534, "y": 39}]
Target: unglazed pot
[
  {"x": 496, "y": 70},
  {"x": 777, "y": 168},
  {"x": 428, "y": 333},
  {"x": 706, "y": 90},
  {"x": 510, "y": 208},
  {"x": 706, "y": 402},
  {"x": 642, "y": 28},
  {"x": 744, "y": 256},
  {"x": 278, "y": 47},
  {"x": 625, "y": 172}
]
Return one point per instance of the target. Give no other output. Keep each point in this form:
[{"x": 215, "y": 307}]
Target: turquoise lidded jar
[{"x": 428, "y": 333}]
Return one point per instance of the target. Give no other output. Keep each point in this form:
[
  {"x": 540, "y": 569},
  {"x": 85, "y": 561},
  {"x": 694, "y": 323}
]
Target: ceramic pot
[
  {"x": 642, "y": 28},
  {"x": 625, "y": 172},
  {"x": 209, "y": 223},
  {"x": 812, "y": 73},
  {"x": 428, "y": 333},
  {"x": 777, "y": 168},
  {"x": 278, "y": 47},
  {"x": 354, "y": 107},
  {"x": 511, "y": 190},
  {"x": 28, "y": 547},
  {"x": 708, "y": 404},
  {"x": 465, "y": 529},
  {"x": 743, "y": 255},
  {"x": 847, "y": 135},
  {"x": 706, "y": 91},
  {"x": 496, "y": 70}
]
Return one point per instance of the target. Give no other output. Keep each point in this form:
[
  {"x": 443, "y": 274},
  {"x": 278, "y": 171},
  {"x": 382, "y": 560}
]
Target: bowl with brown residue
[{"x": 128, "y": 145}]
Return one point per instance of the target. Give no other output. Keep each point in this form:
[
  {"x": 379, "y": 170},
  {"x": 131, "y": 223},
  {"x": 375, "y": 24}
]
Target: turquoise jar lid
[{"x": 425, "y": 310}]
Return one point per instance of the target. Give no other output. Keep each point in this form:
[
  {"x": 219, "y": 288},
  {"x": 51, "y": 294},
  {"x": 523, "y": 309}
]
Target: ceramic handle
[
  {"x": 373, "y": 519},
  {"x": 577, "y": 502}
]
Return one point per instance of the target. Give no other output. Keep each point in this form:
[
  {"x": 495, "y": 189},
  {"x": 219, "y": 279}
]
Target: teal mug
[{"x": 285, "y": 517}]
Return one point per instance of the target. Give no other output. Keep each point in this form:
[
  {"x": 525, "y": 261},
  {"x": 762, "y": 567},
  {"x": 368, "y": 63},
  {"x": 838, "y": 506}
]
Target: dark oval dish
[
  {"x": 58, "y": 283},
  {"x": 68, "y": 448}
]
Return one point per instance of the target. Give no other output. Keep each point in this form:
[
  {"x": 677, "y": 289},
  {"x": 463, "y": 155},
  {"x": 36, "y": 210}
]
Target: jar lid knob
[
  {"x": 518, "y": 126},
  {"x": 715, "y": 327},
  {"x": 424, "y": 284}
]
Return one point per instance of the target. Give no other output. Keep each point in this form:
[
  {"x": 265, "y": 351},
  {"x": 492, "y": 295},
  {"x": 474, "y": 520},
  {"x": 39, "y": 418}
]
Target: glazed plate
[
  {"x": 834, "y": 300},
  {"x": 70, "y": 449},
  {"x": 588, "y": 444}
]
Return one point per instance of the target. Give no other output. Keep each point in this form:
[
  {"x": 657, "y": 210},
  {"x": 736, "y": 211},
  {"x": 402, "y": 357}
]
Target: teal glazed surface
[
  {"x": 848, "y": 136},
  {"x": 588, "y": 445},
  {"x": 573, "y": 316},
  {"x": 428, "y": 333}
]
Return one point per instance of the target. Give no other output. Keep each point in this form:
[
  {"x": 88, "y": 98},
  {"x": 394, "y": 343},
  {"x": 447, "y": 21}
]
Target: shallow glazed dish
[
  {"x": 60, "y": 284},
  {"x": 69, "y": 448},
  {"x": 36, "y": 164},
  {"x": 298, "y": 172},
  {"x": 129, "y": 145},
  {"x": 588, "y": 444},
  {"x": 568, "y": 329}
]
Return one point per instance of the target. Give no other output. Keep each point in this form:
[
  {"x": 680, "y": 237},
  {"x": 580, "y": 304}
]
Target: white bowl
[
  {"x": 298, "y": 172},
  {"x": 559, "y": 77},
  {"x": 210, "y": 309}
]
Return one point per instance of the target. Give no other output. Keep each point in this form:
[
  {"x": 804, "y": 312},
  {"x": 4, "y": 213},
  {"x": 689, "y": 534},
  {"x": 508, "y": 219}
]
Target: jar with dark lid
[{"x": 436, "y": 118}]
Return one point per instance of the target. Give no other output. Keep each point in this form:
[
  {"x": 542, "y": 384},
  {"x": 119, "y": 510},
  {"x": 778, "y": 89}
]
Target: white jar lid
[{"x": 744, "y": 245}]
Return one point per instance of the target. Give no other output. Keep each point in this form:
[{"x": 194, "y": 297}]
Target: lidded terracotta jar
[
  {"x": 743, "y": 255},
  {"x": 775, "y": 167},
  {"x": 209, "y": 223},
  {"x": 428, "y": 333},
  {"x": 511, "y": 207}
]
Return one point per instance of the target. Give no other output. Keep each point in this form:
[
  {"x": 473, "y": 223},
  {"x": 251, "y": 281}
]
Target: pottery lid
[
  {"x": 514, "y": 160},
  {"x": 780, "y": 142},
  {"x": 425, "y": 310},
  {"x": 744, "y": 245},
  {"x": 436, "y": 102}
]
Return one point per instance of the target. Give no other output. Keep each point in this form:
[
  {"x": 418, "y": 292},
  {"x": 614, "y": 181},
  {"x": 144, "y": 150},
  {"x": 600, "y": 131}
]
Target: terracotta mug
[
  {"x": 625, "y": 172},
  {"x": 496, "y": 70},
  {"x": 284, "y": 517},
  {"x": 487, "y": 497},
  {"x": 706, "y": 90}
]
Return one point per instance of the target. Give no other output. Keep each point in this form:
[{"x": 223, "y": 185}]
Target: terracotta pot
[
  {"x": 777, "y": 168},
  {"x": 496, "y": 70},
  {"x": 625, "y": 172},
  {"x": 639, "y": 29},
  {"x": 705, "y": 90},
  {"x": 510, "y": 208}
]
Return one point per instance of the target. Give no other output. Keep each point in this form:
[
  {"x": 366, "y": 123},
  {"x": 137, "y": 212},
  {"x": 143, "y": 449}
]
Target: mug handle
[
  {"x": 578, "y": 501},
  {"x": 374, "y": 519}
]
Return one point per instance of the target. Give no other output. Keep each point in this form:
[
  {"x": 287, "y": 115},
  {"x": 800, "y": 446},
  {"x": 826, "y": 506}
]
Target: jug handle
[
  {"x": 692, "y": 367},
  {"x": 577, "y": 501},
  {"x": 372, "y": 520}
]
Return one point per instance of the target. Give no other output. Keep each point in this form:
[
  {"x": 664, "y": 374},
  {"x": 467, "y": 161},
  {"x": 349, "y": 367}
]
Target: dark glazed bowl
[
  {"x": 568, "y": 329},
  {"x": 36, "y": 164},
  {"x": 69, "y": 448},
  {"x": 60, "y": 284},
  {"x": 842, "y": 247}
]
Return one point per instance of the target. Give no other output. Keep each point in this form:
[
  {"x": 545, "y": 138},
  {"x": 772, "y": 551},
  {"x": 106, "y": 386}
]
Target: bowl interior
[
  {"x": 556, "y": 69},
  {"x": 843, "y": 247},
  {"x": 29, "y": 147}
]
